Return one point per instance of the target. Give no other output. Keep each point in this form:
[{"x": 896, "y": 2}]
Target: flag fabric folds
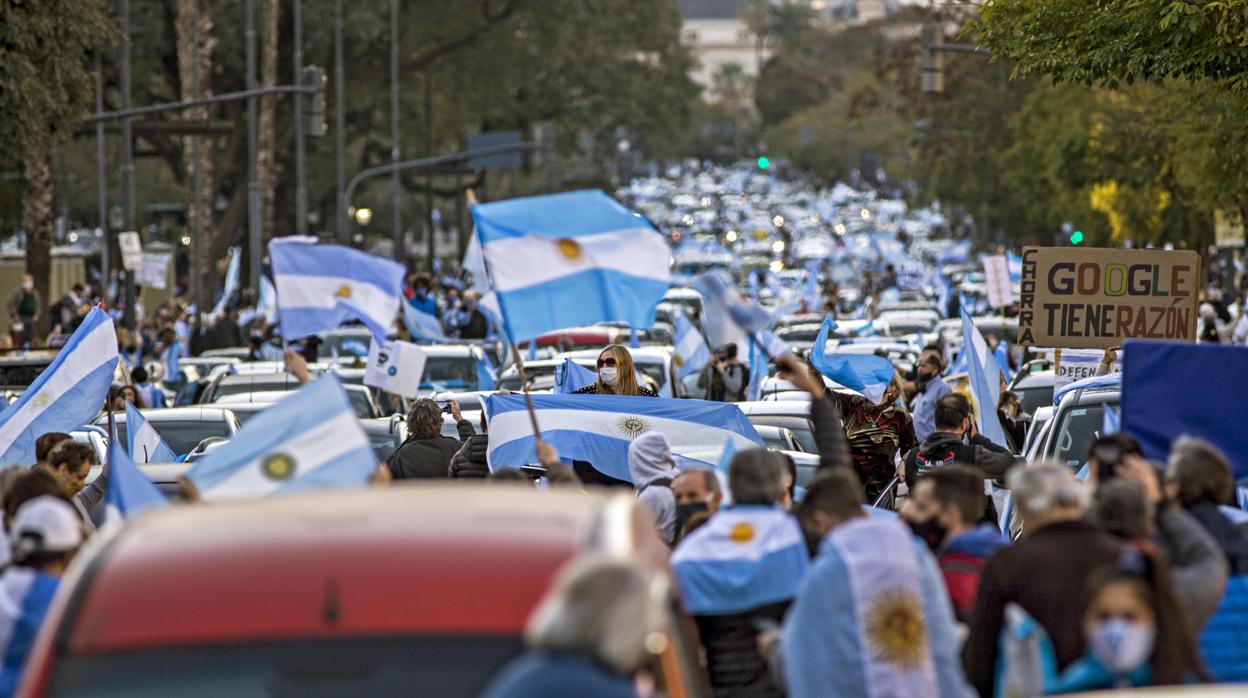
[
  {"x": 129, "y": 490},
  {"x": 743, "y": 557},
  {"x": 571, "y": 259},
  {"x": 571, "y": 377},
  {"x": 690, "y": 351},
  {"x": 727, "y": 317},
  {"x": 985, "y": 381},
  {"x": 319, "y": 286},
  {"x": 145, "y": 445},
  {"x": 308, "y": 440},
  {"x": 231, "y": 281},
  {"x": 599, "y": 428},
  {"x": 421, "y": 325},
  {"x": 67, "y": 394},
  {"x": 865, "y": 373}
]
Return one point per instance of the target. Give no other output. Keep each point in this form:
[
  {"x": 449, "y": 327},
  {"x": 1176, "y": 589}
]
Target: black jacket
[
  {"x": 733, "y": 663},
  {"x": 1230, "y": 538},
  {"x": 469, "y": 460},
  {"x": 427, "y": 458},
  {"x": 942, "y": 448}
]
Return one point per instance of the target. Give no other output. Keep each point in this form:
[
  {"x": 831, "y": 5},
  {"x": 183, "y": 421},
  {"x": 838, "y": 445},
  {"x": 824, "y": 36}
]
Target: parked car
[
  {"x": 181, "y": 428},
  {"x": 793, "y": 415},
  {"x": 361, "y": 399},
  {"x": 1034, "y": 389},
  {"x": 312, "y": 594},
  {"x": 1078, "y": 420}
]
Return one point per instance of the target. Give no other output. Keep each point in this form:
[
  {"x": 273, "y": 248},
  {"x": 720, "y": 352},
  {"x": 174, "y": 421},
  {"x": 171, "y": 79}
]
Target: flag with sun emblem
[
  {"x": 872, "y": 619},
  {"x": 598, "y": 429},
  {"x": 319, "y": 286},
  {"x": 571, "y": 259},
  {"x": 308, "y": 440}
]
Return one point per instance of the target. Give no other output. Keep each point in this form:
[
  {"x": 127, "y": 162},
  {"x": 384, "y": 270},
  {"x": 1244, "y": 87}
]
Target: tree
[{"x": 45, "y": 90}]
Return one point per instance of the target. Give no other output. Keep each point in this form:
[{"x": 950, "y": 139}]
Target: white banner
[
  {"x": 1000, "y": 289},
  {"x": 395, "y": 367},
  {"x": 131, "y": 250},
  {"x": 1077, "y": 364},
  {"x": 154, "y": 269}
]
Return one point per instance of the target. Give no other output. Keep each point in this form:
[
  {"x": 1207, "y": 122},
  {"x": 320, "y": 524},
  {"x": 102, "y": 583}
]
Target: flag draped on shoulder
[
  {"x": 308, "y": 440},
  {"x": 744, "y": 557},
  {"x": 145, "y": 445},
  {"x": 866, "y": 373},
  {"x": 690, "y": 353},
  {"x": 571, "y": 259},
  {"x": 319, "y": 286},
  {"x": 985, "y": 380},
  {"x": 129, "y": 490},
  {"x": 599, "y": 428},
  {"x": 68, "y": 393}
]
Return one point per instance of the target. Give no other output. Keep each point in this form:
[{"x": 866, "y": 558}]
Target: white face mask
[
  {"x": 608, "y": 374},
  {"x": 27, "y": 285},
  {"x": 1121, "y": 646}
]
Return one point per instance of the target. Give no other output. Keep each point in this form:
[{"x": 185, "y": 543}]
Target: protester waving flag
[
  {"x": 67, "y": 394},
  {"x": 571, "y": 259},
  {"x": 145, "y": 444},
  {"x": 866, "y": 373},
  {"x": 319, "y": 286},
  {"x": 571, "y": 377},
  {"x": 599, "y": 428},
  {"x": 309, "y": 440},
  {"x": 129, "y": 490},
  {"x": 231, "y": 282},
  {"x": 691, "y": 352},
  {"x": 985, "y": 379}
]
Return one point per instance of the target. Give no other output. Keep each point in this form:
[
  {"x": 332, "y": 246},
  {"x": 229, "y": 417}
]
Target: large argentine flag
[
  {"x": 129, "y": 490},
  {"x": 985, "y": 381},
  {"x": 744, "y": 557},
  {"x": 309, "y": 440},
  {"x": 865, "y": 373},
  {"x": 145, "y": 445},
  {"x": 319, "y": 286},
  {"x": 571, "y": 259},
  {"x": 68, "y": 393},
  {"x": 599, "y": 428}
]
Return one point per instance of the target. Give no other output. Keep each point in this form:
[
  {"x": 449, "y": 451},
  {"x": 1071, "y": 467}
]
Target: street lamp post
[{"x": 127, "y": 157}]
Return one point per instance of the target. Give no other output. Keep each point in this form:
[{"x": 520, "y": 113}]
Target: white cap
[{"x": 45, "y": 524}]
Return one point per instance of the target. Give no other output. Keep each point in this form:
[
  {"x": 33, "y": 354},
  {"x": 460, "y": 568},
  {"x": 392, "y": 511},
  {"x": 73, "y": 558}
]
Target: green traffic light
[
  {"x": 764, "y": 163},
  {"x": 1076, "y": 238}
]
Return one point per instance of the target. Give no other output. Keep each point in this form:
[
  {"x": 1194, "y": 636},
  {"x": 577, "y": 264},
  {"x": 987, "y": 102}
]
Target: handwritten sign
[{"x": 1089, "y": 298}]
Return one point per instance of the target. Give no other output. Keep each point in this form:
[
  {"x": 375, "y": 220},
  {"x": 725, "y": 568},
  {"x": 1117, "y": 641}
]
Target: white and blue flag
[
  {"x": 319, "y": 286},
  {"x": 727, "y": 317},
  {"x": 145, "y": 445},
  {"x": 865, "y": 373},
  {"x": 744, "y": 557},
  {"x": 571, "y": 377},
  {"x": 231, "y": 282},
  {"x": 985, "y": 379},
  {"x": 309, "y": 440},
  {"x": 129, "y": 490},
  {"x": 690, "y": 353},
  {"x": 571, "y": 259},
  {"x": 487, "y": 373},
  {"x": 422, "y": 325},
  {"x": 599, "y": 428},
  {"x": 68, "y": 393}
]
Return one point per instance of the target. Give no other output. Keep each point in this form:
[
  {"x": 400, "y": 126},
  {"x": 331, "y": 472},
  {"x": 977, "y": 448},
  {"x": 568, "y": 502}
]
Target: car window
[
  {"x": 1034, "y": 397},
  {"x": 451, "y": 372},
  {"x": 181, "y": 436},
  {"x": 800, "y": 426},
  {"x": 1076, "y": 431}
]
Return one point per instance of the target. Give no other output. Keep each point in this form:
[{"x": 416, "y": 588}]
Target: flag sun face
[
  {"x": 570, "y": 249},
  {"x": 632, "y": 427},
  {"x": 344, "y": 291},
  {"x": 895, "y": 629},
  {"x": 278, "y": 466}
]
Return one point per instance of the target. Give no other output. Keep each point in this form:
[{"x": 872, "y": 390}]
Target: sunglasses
[{"x": 609, "y": 361}]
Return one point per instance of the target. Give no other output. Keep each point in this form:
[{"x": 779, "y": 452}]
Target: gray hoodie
[{"x": 650, "y": 459}]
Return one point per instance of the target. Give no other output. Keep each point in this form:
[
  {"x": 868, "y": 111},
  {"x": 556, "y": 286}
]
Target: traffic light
[
  {"x": 763, "y": 162},
  {"x": 1076, "y": 238},
  {"x": 314, "y": 123}
]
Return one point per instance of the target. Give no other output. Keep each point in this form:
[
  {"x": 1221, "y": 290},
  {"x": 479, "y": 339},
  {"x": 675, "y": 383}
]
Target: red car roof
[{"x": 422, "y": 559}]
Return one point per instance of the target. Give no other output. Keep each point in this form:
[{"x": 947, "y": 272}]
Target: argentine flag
[
  {"x": 129, "y": 490},
  {"x": 145, "y": 445},
  {"x": 308, "y": 440},
  {"x": 571, "y": 377},
  {"x": 985, "y": 381},
  {"x": 68, "y": 393},
  {"x": 319, "y": 286},
  {"x": 571, "y": 259},
  {"x": 727, "y": 316},
  {"x": 422, "y": 325},
  {"x": 599, "y": 428},
  {"x": 691, "y": 353},
  {"x": 744, "y": 557},
  {"x": 866, "y": 373}
]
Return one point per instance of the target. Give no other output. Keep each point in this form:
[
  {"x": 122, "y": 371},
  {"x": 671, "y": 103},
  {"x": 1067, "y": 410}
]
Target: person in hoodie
[
  {"x": 652, "y": 468},
  {"x": 944, "y": 510},
  {"x": 956, "y": 441}
]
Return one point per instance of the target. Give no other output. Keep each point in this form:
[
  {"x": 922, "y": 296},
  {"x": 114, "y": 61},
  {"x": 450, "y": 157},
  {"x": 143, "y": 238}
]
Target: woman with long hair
[{"x": 616, "y": 375}]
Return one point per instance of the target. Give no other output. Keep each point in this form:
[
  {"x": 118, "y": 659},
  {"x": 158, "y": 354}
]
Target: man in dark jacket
[
  {"x": 946, "y": 445},
  {"x": 1199, "y": 479},
  {"x": 426, "y": 453}
]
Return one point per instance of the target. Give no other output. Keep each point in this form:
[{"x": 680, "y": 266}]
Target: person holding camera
[
  {"x": 727, "y": 376},
  {"x": 426, "y": 453}
]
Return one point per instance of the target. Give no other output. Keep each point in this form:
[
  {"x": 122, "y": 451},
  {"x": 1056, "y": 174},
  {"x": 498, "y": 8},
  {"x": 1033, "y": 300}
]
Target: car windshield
[
  {"x": 800, "y": 426},
  {"x": 457, "y": 372},
  {"x": 1076, "y": 431},
  {"x": 452, "y": 665},
  {"x": 181, "y": 436},
  {"x": 1034, "y": 397}
]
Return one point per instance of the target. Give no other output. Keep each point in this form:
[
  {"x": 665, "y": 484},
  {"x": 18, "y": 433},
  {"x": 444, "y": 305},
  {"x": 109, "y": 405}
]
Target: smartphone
[
  {"x": 1108, "y": 457},
  {"x": 444, "y": 405}
]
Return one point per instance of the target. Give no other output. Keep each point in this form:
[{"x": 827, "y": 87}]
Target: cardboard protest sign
[{"x": 1089, "y": 298}]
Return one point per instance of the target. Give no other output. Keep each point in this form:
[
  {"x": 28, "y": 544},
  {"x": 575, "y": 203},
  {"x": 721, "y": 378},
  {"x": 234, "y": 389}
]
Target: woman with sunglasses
[{"x": 616, "y": 375}]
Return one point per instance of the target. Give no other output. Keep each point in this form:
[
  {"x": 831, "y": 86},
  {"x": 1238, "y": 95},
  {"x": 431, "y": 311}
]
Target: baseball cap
[{"x": 45, "y": 524}]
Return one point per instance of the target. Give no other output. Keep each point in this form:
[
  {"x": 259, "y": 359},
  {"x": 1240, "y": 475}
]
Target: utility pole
[
  {"x": 101, "y": 192},
  {"x": 429, "y": 176},
  {"x": 340, "y": 125},
  {"x": 127, "y": 158},
  {"x": 253, "y": 176},
  {"x": 301, "y": 183},
  {"x": 197, "y": 196},
  {"x": 395, "y": 179}
]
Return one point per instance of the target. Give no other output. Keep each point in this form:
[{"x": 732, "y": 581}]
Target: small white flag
[{"x": 395, "y": 367}]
